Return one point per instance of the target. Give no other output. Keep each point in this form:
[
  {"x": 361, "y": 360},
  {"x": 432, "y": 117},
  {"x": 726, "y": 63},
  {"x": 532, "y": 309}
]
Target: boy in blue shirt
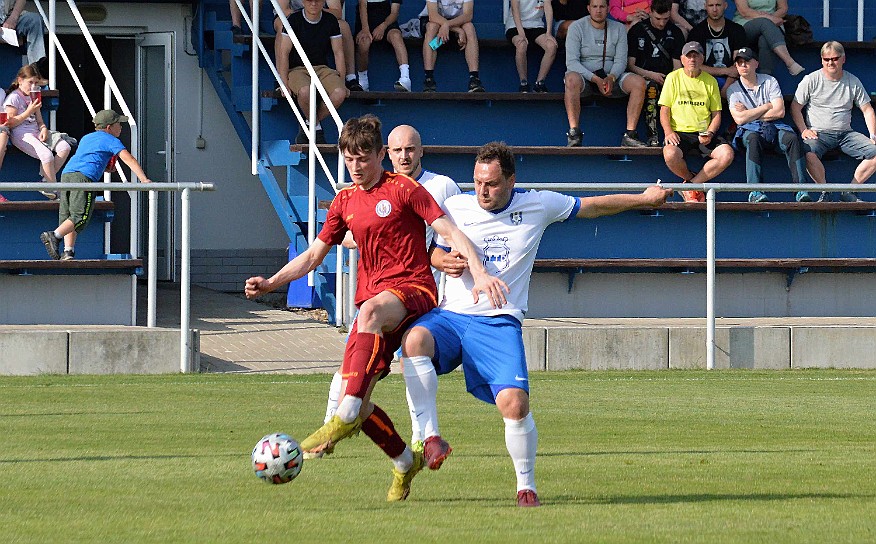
[{"x": 95, "y": 155}]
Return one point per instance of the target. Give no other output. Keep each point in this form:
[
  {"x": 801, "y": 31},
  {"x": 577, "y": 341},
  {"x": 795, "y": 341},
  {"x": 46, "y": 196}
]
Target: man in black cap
[
  {"x": 95, "y": 155},
  {"x": 690, "y": 114},
  {"x": 757, "y": 106}
]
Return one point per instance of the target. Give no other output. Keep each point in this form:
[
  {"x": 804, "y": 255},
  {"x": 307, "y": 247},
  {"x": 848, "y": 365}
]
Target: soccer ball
[{"x": 277, "y": 459}]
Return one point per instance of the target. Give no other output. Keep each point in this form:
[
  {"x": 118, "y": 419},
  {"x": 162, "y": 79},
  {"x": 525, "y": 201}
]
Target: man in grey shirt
[
  {"x": 596, "y": 61},
  {"x": 829, "y": 96}
]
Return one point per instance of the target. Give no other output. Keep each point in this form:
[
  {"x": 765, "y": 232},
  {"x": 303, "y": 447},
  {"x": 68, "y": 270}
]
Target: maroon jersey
[{"x": 387, "y": 222}]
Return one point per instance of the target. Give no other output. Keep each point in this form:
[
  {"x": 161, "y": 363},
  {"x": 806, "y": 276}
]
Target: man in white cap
[{"x": 690, "y": 114}]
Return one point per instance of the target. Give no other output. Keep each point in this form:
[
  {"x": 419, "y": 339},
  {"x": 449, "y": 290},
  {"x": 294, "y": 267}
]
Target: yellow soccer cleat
[
  {"x": 401, "y": 481},
  {"x": 323, "y": 440}
]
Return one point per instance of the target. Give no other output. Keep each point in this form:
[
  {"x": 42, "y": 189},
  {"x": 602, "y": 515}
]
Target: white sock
[
  {"x": 350, "y": 77},
  {"x": 331, "y": 406},
  {"x": 349, "y": 409},
  {"x": 363, "y": 79},
  {"x": 521, "y": 439},
  {"x": 405, "y": 461},
  {"x": 421, "y": 382},
  {"x": 57, "y": 236},
  {"x": 404, "y": 71}
]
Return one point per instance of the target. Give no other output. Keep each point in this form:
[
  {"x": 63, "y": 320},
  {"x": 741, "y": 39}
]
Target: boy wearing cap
[
  {"x": 96, "y": 152},
  {"x": 757, "y": 106},
  {"x": 690, "y": 115}
]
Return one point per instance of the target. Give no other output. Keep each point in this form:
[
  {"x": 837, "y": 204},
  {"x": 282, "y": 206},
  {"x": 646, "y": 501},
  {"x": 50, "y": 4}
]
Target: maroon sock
[{"x": 379, "y": 428}]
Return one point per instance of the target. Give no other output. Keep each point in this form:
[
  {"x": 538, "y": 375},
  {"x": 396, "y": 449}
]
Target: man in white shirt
[
  {"x": 506, "y": 226},
  {"x": 442, "y": 21}
]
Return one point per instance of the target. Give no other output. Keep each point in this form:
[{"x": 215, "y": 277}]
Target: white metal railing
[
  {"x": 711, "y": 189},
  {"x": 314, "y": 154},
  {"x": 111, "y": 90},
  {"x": 152, "y": 259},
  {"x": 825, "y": 17}
]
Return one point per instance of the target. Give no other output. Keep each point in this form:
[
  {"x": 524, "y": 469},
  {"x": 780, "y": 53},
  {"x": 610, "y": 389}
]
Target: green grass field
[{"x": 672, "y": 456}]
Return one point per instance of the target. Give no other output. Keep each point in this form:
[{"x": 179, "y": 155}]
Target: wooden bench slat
[
  {"x": 74, "y": 264},
  {"x": 43, "y": 205},
  {"x": 518, "y": 150},
  {"x": 789, "y": 263}
]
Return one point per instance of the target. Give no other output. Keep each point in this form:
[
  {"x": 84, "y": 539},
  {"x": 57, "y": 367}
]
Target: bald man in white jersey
[{"x": 505, "y": 225}]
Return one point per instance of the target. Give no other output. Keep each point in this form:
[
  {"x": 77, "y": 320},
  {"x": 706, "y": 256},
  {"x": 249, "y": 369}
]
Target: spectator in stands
[
  {"x": 376, "y": 21},
  {"x": 29, "y": 132},
  {"x": 596, "y": 61},
  {"x": 4, "y": 134},
  {"x": 283, "y": 44},
  {"x": 719, "y": 37},
  {"x": 531, "y": 21},
  {"x": 654, "y": 47},
  {"x": 758, "y": 107},
  {"x": 629, "y": 12},
  {"x": 567, "y": 12},
  {"x": 688, "y": 13},
  {"x": 443, "y": 19},
  {"x": 320, "y": 37},
  {"x": 762, "y": 21},
  {"x": 237, "y": 18},
  {"x": 691, "y": 115},
  {"x": 96, "y": 154},
  {"x": 829, "y": 95},
  {"x": 27, "y": 25}
]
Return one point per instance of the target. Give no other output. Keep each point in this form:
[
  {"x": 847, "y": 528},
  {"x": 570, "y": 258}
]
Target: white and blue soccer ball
[{"x": 277, "y": 458}]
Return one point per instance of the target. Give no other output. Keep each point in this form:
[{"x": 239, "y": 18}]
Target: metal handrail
[
  {"x": 711, "y": 189},
  {"x": 185, "y": 242},
  {"x": 314, "y": 154}
]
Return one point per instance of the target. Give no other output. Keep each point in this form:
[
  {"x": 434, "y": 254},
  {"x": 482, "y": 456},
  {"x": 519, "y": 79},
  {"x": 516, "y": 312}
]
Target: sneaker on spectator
[
  {"x": 654, "y": 141},
  {"x": 825, "y": 197},
  {"x": 849, "y": 196},
  {"x": 633, "y": 140},
  {"x": 354, "y": 86},
  {"x": 52, "y": 244},
  {"x": 301, "y": 137},
  {"x": 756, "y": 197},
  {"x": 320, "y": 136},
  {"x": 540, "y": 87},
  {"x": 692, "y": 196},
  {"x": 68, "y": 255},
  {"x": 527, "y": 498},
  {"x": 574, "y": 137},
  {"x": 430, "y": 85},
  {"x": 474, "y": 85},
  {"x": 236, "y": 30},
  {"x": 403, "y": 85},
  {"x": 51, "y": 195},
  {"x": 803, "y": 196},
  {"x": 524, "y": 86}
]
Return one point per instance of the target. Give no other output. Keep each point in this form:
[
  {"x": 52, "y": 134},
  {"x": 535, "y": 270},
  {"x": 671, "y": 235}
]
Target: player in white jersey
[
  {"x": 405, "y": 150},
  {"x": 506, "y": 226}
]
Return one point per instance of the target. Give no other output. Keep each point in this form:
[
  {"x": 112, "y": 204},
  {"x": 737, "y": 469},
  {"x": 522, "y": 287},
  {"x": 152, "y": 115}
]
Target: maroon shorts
[{"x": 360, "y": 371}]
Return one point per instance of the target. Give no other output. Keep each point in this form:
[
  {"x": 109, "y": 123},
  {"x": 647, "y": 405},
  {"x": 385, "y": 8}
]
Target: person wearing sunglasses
[{"x": 828, "y": 96}]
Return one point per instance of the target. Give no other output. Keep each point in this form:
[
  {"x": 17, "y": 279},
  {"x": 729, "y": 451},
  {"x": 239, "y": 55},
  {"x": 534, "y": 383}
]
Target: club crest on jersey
[
  {"x": 496, "y": 254},
  {"x": 516, "y": 217},
  {"x": 383, "y": 208}
]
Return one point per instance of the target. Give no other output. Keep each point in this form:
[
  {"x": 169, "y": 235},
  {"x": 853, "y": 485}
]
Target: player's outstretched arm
[
  {"x": 597, "y": 206},
  {"x": 493, "y": 287},
  {"x": 294, "y": 269}
]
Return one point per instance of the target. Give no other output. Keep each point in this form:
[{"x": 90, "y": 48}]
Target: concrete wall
[
  {"x": 93, "y": 350},
  {"x": 67, "y": 299}
]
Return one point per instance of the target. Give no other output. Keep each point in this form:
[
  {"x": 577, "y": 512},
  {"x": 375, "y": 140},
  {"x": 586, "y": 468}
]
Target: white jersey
[
  {"x": 506, "y": 242},
  {"x": 441, "y": 188}
]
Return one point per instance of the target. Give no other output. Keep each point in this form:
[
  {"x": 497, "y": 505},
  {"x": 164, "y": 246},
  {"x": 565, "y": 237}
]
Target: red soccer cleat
[
  {"x": 527, "y": 498},
  {"x": 436, "y": 450}
]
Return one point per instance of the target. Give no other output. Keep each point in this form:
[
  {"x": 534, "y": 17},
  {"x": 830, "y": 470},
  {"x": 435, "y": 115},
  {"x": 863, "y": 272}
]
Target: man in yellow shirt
[{"x": 690, "y": 113}]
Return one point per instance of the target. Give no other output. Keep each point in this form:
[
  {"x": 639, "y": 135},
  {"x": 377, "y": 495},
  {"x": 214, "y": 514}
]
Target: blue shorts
[
  {"x": 489, "y": 348},
  {"x": 854, "y": 144}
]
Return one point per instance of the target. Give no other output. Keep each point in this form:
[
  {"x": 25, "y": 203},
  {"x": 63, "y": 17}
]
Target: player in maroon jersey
[{"x": 387, "y": 214}]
